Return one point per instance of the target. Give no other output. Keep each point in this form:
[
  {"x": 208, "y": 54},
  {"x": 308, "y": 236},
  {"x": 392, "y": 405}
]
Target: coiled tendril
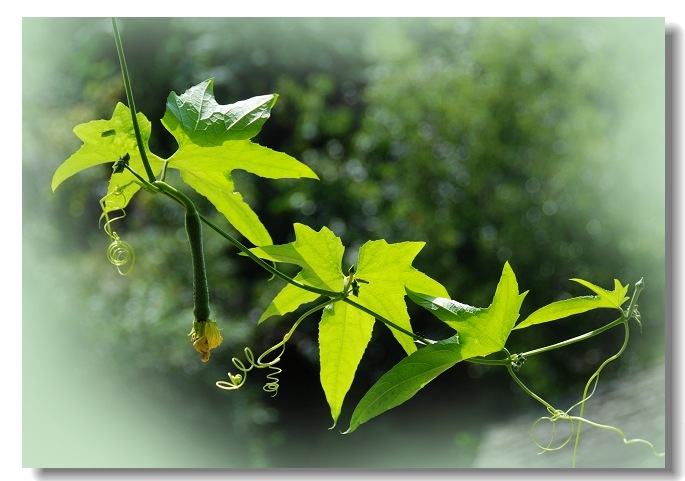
[
  {"x": 236, "y": 381},
  {"x": 119, "y": 253}
]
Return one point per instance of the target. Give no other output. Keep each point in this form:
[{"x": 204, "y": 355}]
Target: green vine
[{"x": 374, "y": 290}]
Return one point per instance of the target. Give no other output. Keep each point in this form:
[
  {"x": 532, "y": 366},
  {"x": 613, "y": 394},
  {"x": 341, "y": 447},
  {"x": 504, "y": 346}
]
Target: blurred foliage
[{"x": 537, "y": 141}]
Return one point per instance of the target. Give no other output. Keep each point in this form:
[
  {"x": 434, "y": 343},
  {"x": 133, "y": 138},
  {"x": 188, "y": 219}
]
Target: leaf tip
[{"x": 349, "y": 430}]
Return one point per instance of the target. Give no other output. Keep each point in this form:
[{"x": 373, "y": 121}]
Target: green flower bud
[{"x": 205, "y": 336}]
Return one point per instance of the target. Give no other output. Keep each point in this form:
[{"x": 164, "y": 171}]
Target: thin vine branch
[{"x": 131, "y": 104}]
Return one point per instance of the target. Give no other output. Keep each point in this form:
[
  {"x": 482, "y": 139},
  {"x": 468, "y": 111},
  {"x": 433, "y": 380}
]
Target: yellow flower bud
[{"x": 205, "y": 336}]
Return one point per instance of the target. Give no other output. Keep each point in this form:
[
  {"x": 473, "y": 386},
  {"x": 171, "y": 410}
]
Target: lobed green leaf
[
  {"x": 319, "y": 253},
  {"x": 480, "y": 331},
  {"x": 387, "y": 269},
  {"x": 616, "y": 297},
  {"x": 578, "y": 305},
  {"x": 345, "y": 331},
  {"x": 105, "y": 141},
  {"x": 213, "y": 141}
]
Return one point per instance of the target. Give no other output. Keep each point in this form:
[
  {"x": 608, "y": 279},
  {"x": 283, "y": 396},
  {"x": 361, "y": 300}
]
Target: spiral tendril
[
  {"x": 235, "y": 381},
  {"x": 119, "y": 253}
]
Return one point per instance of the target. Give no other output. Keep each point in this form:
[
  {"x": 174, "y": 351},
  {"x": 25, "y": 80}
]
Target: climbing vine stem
[
  {"x": 629, "y": 313},
  {"x": 131, "y": 104},
  {"x": 181, "y": 198}
]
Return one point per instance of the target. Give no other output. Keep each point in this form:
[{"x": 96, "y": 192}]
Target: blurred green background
[{"x": 534, "y": 141}]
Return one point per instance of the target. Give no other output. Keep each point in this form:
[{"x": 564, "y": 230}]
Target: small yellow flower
[{"x": 205, "y": 336}]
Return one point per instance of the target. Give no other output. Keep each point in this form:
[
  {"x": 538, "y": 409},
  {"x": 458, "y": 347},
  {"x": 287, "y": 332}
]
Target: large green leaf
[
  {"x": 213, "y": 141},
  {"x": 345, "y": 330},
  {"x": 105, "y": 141},
  {"x": 480, "y": 331},
  {"x": 387, "y": 269},
  {"x": 406, "y": 378},
  {"x": 577, "y": 305}
]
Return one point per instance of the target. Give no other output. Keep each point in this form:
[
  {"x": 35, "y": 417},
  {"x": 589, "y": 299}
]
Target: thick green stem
[
  {"x": 182, "y": 199},
  {"x": 131, "y": 104}
]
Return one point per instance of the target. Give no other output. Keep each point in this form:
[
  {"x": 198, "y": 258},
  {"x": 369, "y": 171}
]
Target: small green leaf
[
  {"x": 577, "y": 305},
  {"x": 205, "y": 122},
  {"x": 482, "y": 331},
  {"x": 616, "y": 297},
  {"x": 406, "y": 378},
  {"x": 106, "y": 141}
]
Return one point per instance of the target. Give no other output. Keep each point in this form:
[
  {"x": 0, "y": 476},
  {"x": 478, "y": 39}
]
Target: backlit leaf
[
  {"x": 577, "y": 305},
  {"x": 345, "y": 330},
  {"x": 105, "y": 141},
  {"x": 406, "y": 378},
  {"x": 213, "y": 142},
  {"x": 480, "y": 331}
]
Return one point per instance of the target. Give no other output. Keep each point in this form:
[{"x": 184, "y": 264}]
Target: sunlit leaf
[
  {"x": 105, "y": 141},
  {"x": 204, "y": 121},
  {"x": 345, "y": 330},
  {"x": 407, "y": 378},
  {"x": 578, "y": 305},
  {"x": 213, "y": 142},
  {"x": 616, "y": 297},
  {"x": 480, "y": 331},
  {"x": 344, "y": 333}
]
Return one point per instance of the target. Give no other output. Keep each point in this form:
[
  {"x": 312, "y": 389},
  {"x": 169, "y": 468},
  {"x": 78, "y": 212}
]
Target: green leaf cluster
[
  {"x": 345, "y": 329},
  {"x": 480, "y": 332},
  {"x": 213, "y": 140}
]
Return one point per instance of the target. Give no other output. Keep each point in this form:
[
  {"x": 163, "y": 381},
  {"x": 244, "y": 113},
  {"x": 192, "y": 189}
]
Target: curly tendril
[
  {"x": 236, "y": 381},
  {"x": 119, "y": 253},
  {"x": 576, "y": 422}
]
